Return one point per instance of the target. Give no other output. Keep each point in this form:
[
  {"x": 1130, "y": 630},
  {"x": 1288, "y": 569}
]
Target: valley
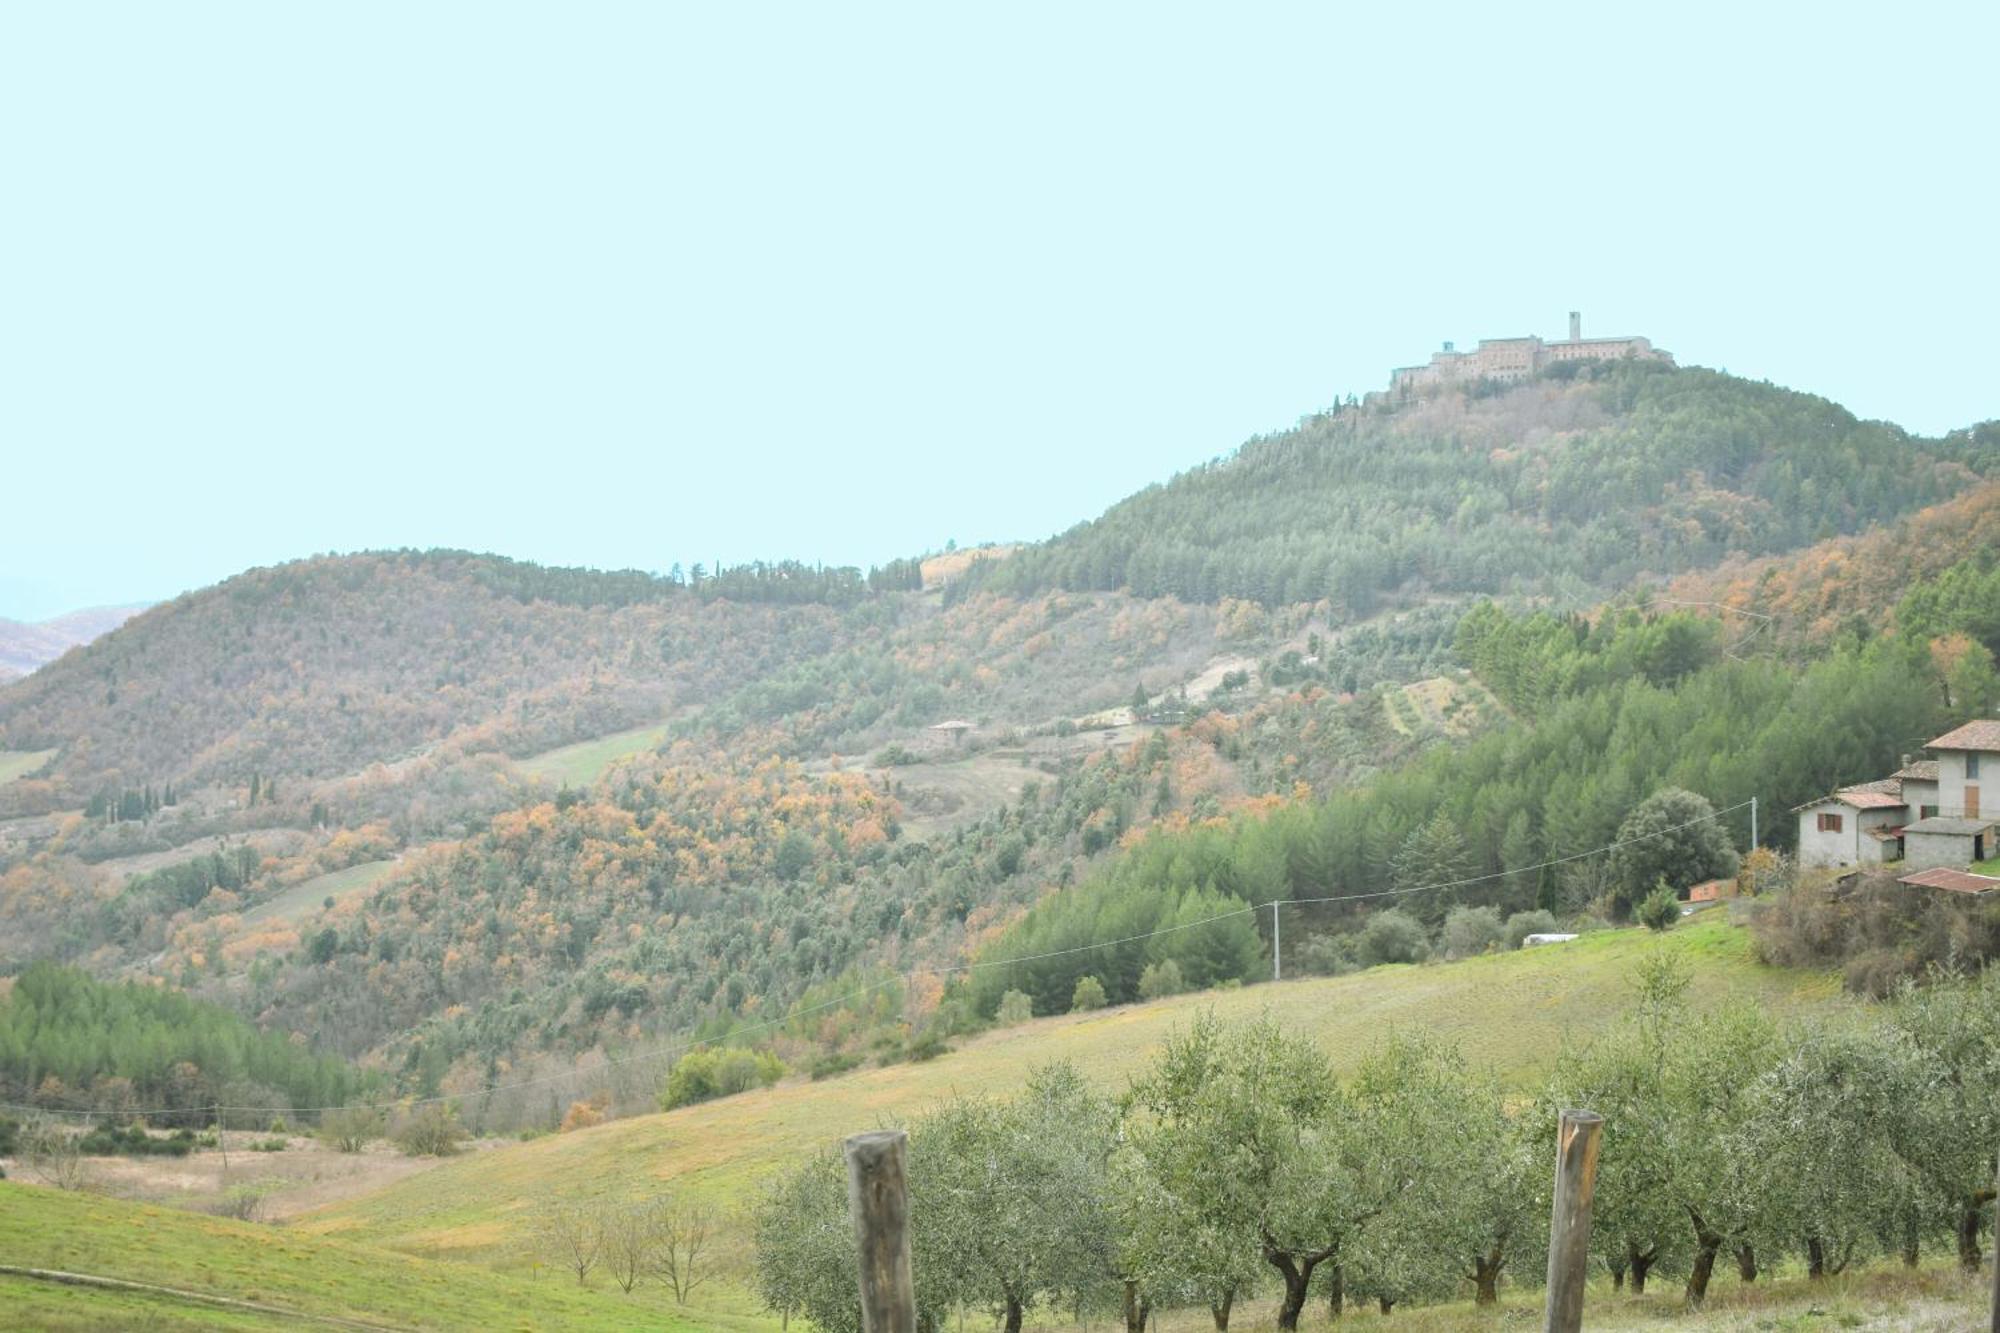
[{"x": 499, "y": 844}]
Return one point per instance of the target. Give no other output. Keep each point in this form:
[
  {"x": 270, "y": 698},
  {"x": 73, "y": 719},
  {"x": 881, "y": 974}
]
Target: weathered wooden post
[
  {"x": 878, "y": 1196},
  {"x": 1569, "y": 1222}
]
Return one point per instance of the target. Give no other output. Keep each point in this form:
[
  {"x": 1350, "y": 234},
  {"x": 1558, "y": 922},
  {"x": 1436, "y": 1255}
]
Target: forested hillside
[
  {"x": 321, "y": 794},
  {"x": 24, "y": 647},
  {"x": 321, "y": 667},
  {"x": 1573, "y": 482},
  {"x": 1608, "y": 714}
]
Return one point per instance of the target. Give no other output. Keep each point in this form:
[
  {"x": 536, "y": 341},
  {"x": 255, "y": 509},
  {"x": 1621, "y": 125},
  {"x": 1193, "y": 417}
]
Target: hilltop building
[
  {"x": 1511, "y": 359},
  {"x": 1929, "y": 812}
]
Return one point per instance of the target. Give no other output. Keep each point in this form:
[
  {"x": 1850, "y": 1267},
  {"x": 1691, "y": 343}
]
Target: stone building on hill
[
  {"x": 1929, "y": 813},
  {"x": 1513, "y": 359}
]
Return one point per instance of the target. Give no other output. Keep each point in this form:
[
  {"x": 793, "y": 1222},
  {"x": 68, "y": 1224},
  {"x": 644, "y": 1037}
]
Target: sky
[{"x": 626, "y": 285}]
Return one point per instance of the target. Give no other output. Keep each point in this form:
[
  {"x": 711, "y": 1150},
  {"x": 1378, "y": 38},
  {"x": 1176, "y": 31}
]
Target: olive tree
[
  {"x": 1464, "y": 1181},
  {"x": 1955, "y": 1029},
  {"x": 1823, "y": 1123},
  {"x": 1008, "y": 1199},
  {"x": 1267, "y": 1152},
  {"x": 805, "y": 1247},
  {"x": 1716, "y": 1177}
]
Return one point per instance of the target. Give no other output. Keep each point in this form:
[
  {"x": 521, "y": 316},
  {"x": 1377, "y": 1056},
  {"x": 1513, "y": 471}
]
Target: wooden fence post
[
  {"x": 1569, "y": 1222},
  {"x": 878, "y": 1196}
]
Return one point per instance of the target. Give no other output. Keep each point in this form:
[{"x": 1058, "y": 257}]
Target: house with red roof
[{"x": 1930, "y": 812}]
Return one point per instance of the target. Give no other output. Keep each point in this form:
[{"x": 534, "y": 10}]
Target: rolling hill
[
  {"x": 1512, "y": 1012},
  {"x": 1625, "y": 472},
  {"x": 490, "y": 817},
  {"x": 27, "y": 646}
]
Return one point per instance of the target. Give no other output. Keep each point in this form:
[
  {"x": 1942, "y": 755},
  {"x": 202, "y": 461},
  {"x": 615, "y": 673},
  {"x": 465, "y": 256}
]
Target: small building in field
[
  {"x": 955, "y": 729},
  {"x": 1712, "y": 891}
]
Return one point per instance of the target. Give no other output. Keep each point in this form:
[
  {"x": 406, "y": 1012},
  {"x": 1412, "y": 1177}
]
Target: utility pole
[
  {"x": 1277, "y": 968},
  {"x": 1753, "y": 823}
]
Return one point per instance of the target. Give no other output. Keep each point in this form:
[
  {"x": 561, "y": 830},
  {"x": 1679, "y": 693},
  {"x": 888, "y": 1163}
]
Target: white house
[
  {"x": 1929, "y": 812},
  {"x": 1852, "y": 827}
]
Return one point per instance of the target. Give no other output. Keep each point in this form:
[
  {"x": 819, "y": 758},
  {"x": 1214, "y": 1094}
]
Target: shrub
[
  {"x": 430, "y": 1131},
  {"x": 1089, "y": 995},
  {"x": 896, "y": 756},
  {"x": 1470, "y": 930},
  {"x": 832, "y": 1063},
  {"x": 581, "y": 1115},
  {"x": 706, "y": 1073},
  {"x": 1392, "y": 936},
  {"x": 1015, "y": 1007},
  {"x": 1328, "y": 955},
  {"x": 928, "y": 1045},
  {"x": 132, "y": 1141},
  {"x": 351, "y": 1128},
  {"x": 270, "y": 1145},
  {"x": 1877, "y": 931},
  {"x": 1659, "y": 909},
  {"x": 1160, "y": 980},
  {"x": 1523, "y": 924},
  {"x": 245, "y": 1203}
]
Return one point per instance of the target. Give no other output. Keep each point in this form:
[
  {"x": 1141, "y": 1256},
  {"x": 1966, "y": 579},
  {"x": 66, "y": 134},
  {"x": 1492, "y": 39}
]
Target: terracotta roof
[
  {"x": 1869, "y": 800},
  {"x": 1956, "y": 881},
  {"x": 1881, "y": 786},
  {"x": 1981, "y": 735},
  {"x": 1923, "y": 770}
]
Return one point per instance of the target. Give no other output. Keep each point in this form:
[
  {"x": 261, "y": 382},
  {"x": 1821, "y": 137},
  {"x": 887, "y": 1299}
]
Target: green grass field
[
  {"x": 303, "y": 899},
  {"x": 451, "y": 1246},
  {"x": 581, "y": 764},
  {"x": 1512, "y": 1012},
  {"x": 20, "y": 763},
  {"x": 83, "y": 1233}
]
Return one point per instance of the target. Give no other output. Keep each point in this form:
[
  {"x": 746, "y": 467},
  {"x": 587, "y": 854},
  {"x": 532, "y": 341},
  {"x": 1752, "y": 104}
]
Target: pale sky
[{"x": 624, "y": 285}]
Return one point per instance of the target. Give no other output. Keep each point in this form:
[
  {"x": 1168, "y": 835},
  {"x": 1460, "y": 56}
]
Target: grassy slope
[
  {"x": 1511, "y": 1011},
  {"x": 306, "y": 897},
  {"x": 17, "y": 763},
  {"x": 581, "y": 764},
  {"x": 43, "y": 1228}
]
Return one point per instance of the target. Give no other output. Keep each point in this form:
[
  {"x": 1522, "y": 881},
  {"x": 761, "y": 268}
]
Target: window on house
[
  {"x": 1829, "y": 823},
  {"x": 1927, "y": 812},
  {"x": 1971, "y": 764}
]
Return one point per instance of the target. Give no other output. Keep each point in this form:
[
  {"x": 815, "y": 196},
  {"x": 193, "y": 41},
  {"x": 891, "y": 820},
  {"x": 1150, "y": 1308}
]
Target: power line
[{"x": 684, "y": 1044}]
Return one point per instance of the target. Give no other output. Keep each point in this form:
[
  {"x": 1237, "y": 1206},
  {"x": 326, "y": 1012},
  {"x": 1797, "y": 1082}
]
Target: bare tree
[
  {"x": 53, "y": 1154},
  {"x": 631, "y": 1242},
  {"x": 685, "y": 1230},
  {"x": 572, "y": 1237}
]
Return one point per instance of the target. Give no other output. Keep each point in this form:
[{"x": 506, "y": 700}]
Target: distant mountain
[
  {"x": 324, "y": 666},
  {"x": 24, "y": 647}
]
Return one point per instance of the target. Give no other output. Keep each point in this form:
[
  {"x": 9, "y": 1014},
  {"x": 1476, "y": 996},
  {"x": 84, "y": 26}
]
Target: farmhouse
[{"x": 1928, "y": 813}]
